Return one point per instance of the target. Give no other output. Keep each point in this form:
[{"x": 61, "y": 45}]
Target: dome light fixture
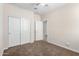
[{"x": 43, "y": 4}]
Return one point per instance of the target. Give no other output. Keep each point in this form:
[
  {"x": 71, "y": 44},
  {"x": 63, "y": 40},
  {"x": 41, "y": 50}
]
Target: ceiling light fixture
[{"x": 43, "y": 4}]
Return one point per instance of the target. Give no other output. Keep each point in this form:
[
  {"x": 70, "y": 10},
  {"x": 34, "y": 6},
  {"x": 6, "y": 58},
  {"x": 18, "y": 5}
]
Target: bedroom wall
[
  {"x": 1, "y": 28},
  {"x": 11, "y": 10},
  {"x": 63, "y": 26}
]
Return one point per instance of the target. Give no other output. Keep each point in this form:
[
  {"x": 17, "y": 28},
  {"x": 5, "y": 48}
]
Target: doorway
[{"x": 38, "y": 30}]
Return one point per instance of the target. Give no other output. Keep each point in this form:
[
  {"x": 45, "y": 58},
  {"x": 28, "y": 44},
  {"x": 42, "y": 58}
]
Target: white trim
[
  {"x": 64, "y": 47},
  {"x": 3, "y": 49},
  {"x": 1, "y": 53}
]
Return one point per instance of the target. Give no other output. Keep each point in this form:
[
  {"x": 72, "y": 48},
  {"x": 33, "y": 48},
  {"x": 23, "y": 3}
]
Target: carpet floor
[{"x": 38, "y": 48}]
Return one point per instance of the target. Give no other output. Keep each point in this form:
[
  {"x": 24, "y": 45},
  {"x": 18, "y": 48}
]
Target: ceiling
[{"x": 40, "y": 8}]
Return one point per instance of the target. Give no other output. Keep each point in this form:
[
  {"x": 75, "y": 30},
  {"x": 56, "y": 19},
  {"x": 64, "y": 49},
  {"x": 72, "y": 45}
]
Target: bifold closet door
[
  {"x": 39, "y": 30},
  {"x": 14, "y": 31},
  {"x": 19, "y": 31},
  {"x": 25, "y": 31}
]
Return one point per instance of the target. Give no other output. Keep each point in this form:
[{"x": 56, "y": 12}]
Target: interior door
[
  {"x": 14, "y": 31},
  {"x": 39, "y": 30},
  {"x": 25, "y": 31}
]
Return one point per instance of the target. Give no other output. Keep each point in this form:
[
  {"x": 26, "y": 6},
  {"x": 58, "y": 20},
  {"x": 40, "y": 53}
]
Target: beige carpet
[{"x": 38, "y": 48}]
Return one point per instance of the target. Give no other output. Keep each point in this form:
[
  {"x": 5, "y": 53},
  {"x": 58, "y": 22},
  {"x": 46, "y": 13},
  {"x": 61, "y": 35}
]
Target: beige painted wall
[
  {"x": 1, "y": 28},
  {"x": 1, "y": 18},
  {"x": 63, "y": 26}
]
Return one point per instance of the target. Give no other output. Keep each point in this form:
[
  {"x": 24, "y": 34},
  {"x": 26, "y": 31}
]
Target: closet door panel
[
  {"x": 19, "y": 31},
  {"x": 25, "y": 31},
  {"x": 14, "y": 31}
]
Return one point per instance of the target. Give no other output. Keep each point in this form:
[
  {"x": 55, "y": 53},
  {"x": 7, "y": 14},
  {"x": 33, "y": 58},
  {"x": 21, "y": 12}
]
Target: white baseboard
[
  {"x": 64, "y": 47},
  {"x": 1, "y": 53},
  {"x": 2, "y": 50}
]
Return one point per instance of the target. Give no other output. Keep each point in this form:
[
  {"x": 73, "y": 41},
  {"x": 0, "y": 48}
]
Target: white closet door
[
  {"x": 39, "y": 30},
  {"x": 14, "y": 31},
  {"x": 25, "y": 31}
]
